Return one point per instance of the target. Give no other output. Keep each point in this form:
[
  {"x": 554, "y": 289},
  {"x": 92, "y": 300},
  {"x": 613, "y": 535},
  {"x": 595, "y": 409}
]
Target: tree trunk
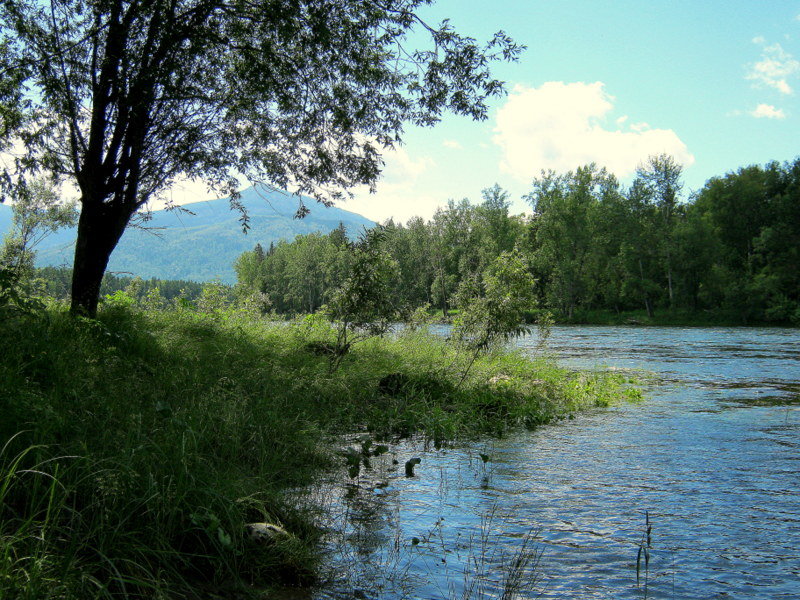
[
  {"x": 669, "y": 280},
  {"x": 100, "y": 228},
  {"x": 443, "y": 288},
  {"x": 647, "y": 304},
  {"x": 669, "y": 284}
]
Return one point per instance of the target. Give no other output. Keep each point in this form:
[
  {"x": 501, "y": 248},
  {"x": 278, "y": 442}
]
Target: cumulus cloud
[
  {"x": 767, "y": 111},
  {"x": 401, "y": 166},
  {"x": 395, "y": 193},
  {"x": 774, "y": 69},
  {"x": 560, "y": 126},
  {"x": 454, "y": 145}
]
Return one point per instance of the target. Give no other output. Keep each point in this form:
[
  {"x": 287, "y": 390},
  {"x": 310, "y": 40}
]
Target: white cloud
[
  {"x": 394, "y": 202},
  {"x": 774, "y": 69},
  {"x": 401, "y": 166},
  {"x": 395, "y": 193},
  {"x": 67, "y": 187},
  {"x": 559, "y": 126},
  {"x": 7, "y": 158},
  {"x": 767, "y": 111},
  {"x": 452, "y": 144},
  {"x": 183, "y": 191}
]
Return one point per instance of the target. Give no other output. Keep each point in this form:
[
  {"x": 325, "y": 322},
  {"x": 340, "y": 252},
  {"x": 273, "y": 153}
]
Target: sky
[{"x": 715, "y": 84}]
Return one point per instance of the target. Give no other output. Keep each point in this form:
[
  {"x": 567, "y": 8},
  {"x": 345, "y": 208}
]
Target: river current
[{"x": 709, "y": 462}]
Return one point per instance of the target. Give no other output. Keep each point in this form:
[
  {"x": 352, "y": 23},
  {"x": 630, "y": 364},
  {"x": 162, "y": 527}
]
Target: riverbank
[
  {"x": 640, "y": 318},
  {"x": 669, "y": 318},
  {"x": 139, "y": 445}
]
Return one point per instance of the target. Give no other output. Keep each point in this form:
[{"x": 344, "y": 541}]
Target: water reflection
[{"x": 711, "y": 456}]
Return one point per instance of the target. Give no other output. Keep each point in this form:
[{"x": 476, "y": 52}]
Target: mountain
[{"x": 204, "y": 245}]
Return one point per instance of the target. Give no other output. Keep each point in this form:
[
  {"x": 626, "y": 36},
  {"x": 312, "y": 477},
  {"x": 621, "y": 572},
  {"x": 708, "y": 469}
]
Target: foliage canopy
[
  {"x": 126, "y": 97},
  {"x": 591, "y": 245}
]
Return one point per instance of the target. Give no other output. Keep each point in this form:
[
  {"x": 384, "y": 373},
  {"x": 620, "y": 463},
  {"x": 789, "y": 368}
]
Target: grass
[{"x": 136, "y": 447}]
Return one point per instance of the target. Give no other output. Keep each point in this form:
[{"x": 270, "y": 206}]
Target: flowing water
[{"x": 710, "y": 460}]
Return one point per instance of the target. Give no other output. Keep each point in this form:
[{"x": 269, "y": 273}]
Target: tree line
[
  {"x": 730, "y": 249},
  {"x": 54, "y": 282}
]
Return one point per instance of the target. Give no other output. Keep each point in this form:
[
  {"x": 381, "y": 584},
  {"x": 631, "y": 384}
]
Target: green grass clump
[{"x": 136, "y": 447}]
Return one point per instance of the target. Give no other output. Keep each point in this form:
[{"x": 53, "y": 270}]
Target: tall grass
[{"x": 137, "y": 446}]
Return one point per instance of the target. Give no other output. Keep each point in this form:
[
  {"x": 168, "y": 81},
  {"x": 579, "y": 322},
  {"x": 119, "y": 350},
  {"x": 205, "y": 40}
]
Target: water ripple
[{"x": 712, "y": 457}]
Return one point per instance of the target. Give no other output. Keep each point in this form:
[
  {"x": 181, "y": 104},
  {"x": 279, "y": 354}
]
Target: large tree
[
  {"x": 659, "y": 185},
  {"x": 566, "y": 208},
  {"x": 128, "y": 96}
]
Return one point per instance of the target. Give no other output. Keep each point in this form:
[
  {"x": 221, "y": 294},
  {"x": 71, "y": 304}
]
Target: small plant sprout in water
[
  {"x": 356, "y": 458},
  {"x": 410, "y": 466},
  {"x": 488, "y": 568},
  {"x": 486, "y": 470},
  {"x": 353, "y": 460},
  {"x": 643, "y": 554}
]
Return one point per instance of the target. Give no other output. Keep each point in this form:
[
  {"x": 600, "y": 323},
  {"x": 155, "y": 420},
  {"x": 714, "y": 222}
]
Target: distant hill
[{"x": 204, "y": 245}]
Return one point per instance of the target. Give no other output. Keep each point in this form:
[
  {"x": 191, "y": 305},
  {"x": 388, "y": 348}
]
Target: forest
[{"x": 727, "y": 253}]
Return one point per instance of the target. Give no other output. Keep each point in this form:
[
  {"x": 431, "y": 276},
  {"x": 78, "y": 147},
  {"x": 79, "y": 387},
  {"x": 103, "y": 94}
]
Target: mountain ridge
[{"x": 201, "y": 242}]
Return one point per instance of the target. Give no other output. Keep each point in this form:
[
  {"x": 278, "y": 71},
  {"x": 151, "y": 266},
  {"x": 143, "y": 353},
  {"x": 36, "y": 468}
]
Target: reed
[{"x": 643, "y": 555}]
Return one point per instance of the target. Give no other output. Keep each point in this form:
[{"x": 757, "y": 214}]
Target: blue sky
[{"x": 713, "y": 83}]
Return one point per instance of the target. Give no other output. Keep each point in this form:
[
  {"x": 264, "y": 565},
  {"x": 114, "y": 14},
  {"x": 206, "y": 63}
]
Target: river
[{"x": 710, "y": 461}]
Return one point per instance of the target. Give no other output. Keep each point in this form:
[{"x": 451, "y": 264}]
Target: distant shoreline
[{"x": 663, "y": 318}]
